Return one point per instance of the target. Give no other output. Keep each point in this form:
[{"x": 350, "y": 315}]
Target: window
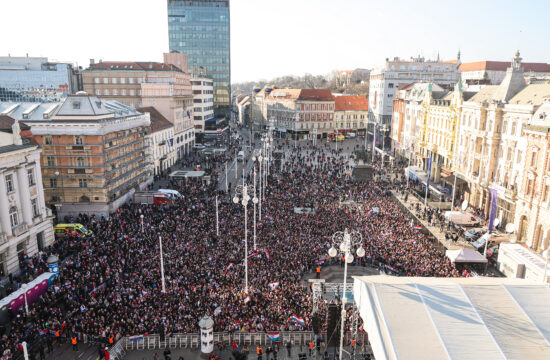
[
  {"x": 97, "y": 92},
  {"x": 529, "y": 187},
  {"x": 518, "y": 160},
  {"x": 30, "y": 176},
  {"x": 390, "y": 85},
  {"x": 123, "y": 92},
  {"x": 96, "y": 80},
  {"x": 80, "y": 162},
  {"x": 547, "y": 193},
  {"x": 34, "y": 206},
  {"x": 132, "y": 93},
  {"x": 53, "y": 183},
  {"x": 123, "y": 80},
  {"x": 105, "y": 80},
  {"x": 9, "y": 183},
  {"x": 78, "y": 140},
  {"x": 115, "y": 92},
  {"x": 14, "y": 221},
  {"x": 20, "y": 249},
  {"x": 130, "y": 80},
  {"x": 83, "y": 183},
  {"x": 106, "y": 92},
  {"x": 51, "y": 161},
  {"x": 114, "y": 80},
  {"x": 534, "y": 159},
  {"x": 48, "y": 140}
]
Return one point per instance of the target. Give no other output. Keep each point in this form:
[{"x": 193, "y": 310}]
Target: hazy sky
[{"x": 277, "y": 37}]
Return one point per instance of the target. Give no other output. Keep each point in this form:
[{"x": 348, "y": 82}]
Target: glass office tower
[{"x": 200, "y": 29}]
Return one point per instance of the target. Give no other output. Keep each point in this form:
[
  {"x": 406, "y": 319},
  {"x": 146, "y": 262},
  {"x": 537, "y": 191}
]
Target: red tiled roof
[
  {"x": 133, "y": 65},
  {"x": 357, "y": 103},
  {"x": 502, "y": 66},
  {"x": 316, "y": 95},
  {"x": 158, "y": 122}
]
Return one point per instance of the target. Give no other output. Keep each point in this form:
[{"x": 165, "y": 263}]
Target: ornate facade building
[
  {"x": 25, "y": 222},
  {"x": 532, "y": 218},
  {"x": 492, "y": 142}
]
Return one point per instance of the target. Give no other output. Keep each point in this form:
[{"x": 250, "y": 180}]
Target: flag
[
  {"x": 417, "y": 227},
  {"x": 493, "y": 213},
  {"x": 269, "y": 218},
  {"x": 320, "y": 262},
  {"x": 429, "y": 162},
  {"x": 297, "y": 319},
  {"x": 273, "y": 336},
  {"x": 266, "y": 253},
  {"x": 371, "y": 211},
  {"x": 229, "y": 266},
  {"x": 135, "y": 338}
]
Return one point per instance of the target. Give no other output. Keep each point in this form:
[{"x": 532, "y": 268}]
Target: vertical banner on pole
[
  {"x": 493, "y": 214},
  {"x": 429, "y": 160}
]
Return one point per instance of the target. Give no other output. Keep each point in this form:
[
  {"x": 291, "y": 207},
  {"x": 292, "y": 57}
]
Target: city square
[{"x": 196, "y": 198}]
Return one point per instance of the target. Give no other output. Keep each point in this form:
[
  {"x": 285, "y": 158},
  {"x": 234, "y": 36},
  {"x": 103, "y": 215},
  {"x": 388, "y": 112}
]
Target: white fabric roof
[
  {"x": 465, "y": 255},
  {"x": 454, "y": 318}
]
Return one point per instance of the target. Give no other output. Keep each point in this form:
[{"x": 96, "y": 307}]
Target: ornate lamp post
[
  {"x": 242, "y": 195},
  {"x": 346, "y": 242}
]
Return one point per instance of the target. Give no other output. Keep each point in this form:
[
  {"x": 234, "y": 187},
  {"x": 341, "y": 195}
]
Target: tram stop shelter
[{"x": 477, "y": 318}]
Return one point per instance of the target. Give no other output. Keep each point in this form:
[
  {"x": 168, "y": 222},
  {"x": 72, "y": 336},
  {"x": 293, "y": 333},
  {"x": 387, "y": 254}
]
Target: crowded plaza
[{"x": 110, "y": 283}]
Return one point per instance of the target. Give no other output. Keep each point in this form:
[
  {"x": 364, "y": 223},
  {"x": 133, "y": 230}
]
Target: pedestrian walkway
[{"x": 434, "y": 230}]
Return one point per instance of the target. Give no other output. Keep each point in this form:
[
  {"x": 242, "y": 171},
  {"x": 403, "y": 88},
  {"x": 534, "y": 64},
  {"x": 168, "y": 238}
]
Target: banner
[{"x": 493, "y": 214}]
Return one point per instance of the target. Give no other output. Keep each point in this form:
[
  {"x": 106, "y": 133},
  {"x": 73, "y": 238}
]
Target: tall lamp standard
[
  {"x": 242, "y": 195},
  {"x": 141, "y": 218},
  {"x": 346, "y": 242},
  {"x": 258, "y": 156}
]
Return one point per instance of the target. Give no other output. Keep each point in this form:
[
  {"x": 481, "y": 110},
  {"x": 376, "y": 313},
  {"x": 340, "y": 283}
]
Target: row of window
[
  {"x": 116, "y": 92},
  {"x": 349, "y": 117},
  {"x": 10, "y": 186},
  {"x": 122, "y": 80},
  {"x": 14, "y": 216},
  {"x": 315, "y": 106}
]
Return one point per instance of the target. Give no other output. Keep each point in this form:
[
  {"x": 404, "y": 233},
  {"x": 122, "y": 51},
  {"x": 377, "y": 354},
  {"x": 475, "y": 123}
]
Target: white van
[
  {"x": 172, "y": 194},
  {"x": 240, "y": 156}
]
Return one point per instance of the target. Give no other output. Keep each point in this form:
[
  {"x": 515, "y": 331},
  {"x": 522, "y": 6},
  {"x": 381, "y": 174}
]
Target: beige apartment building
[
  {"x": 165, "y": 86},
  {"x": 93, "y": 152}
]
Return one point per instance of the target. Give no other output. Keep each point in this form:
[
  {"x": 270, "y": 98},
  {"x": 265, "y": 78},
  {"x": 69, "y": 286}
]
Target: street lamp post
[
  {"x": 242, "y": 195},
  {"x": 24, "y": 286},
  {"x": 141, "y": 218},
  {"x": 346, "y": 242},
  {"x": 255, "y": 208},
  {"x": 226, "y": 188},
  {"x": 217, "y": 218},
  {"x": 162, "y": 266}
]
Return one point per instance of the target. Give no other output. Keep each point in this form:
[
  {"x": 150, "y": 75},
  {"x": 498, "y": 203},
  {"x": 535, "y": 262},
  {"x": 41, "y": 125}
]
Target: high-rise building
[
  {"x": 200, "y": 29},
  {"x": 36, "y": 79}
]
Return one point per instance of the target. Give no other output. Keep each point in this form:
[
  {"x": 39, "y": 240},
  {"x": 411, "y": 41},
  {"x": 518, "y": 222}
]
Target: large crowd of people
[{"x": 110, "y": 284}]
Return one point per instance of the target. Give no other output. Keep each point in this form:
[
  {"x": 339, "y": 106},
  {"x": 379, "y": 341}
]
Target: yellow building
[{"x": 438, "y": 135}]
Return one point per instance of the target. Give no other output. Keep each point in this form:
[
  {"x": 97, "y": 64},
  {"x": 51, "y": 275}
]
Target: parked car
[
  {"x": 198, "y": 147},
  {"x": 151, "y": 197},
  {"x": 473, "y": 234}
]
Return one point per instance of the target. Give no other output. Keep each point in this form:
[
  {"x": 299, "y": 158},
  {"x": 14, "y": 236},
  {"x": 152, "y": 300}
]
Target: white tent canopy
[
  {"x": 465, "y": 255},
  {"x": 411, "y": 318}
]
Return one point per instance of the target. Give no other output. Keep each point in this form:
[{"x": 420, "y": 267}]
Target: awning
[
  {"x": 465, "y": 255},
  {"x": 454, "y": 318},
  {"x": 450, "y": 179},
  {"x": 281, "y": 129}
]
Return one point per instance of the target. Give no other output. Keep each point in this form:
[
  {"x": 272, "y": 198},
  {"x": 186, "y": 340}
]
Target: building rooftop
[
  {"x": 158, "y": 122},
  {"x": 316, "y": 95},
  {"x": 11, "y": 148},
  {"x": 284, "y": 94},
  {"x": 484, "y": 94},
  {"x": 454, "y": 318},
  {"x": 533, "y": 94},
  {"x": 348, "y": 103},
  {"x": 502, "y": 66},
  {"x": 133, "y": 66},
  {"x": 6, "y": 122}
]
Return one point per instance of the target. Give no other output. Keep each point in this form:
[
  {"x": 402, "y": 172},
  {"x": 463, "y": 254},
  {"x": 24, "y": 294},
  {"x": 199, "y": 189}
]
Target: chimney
[
  {"x": 16, "y": 133},
  {"x": 92, "y": 61},
  {"x": 100, "y": 60}
]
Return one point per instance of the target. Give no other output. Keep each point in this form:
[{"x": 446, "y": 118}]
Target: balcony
[
  {"x": 3, "y": 238},
  {"x": 510, "y": 193},
  {"x": 20, "y": 229}
]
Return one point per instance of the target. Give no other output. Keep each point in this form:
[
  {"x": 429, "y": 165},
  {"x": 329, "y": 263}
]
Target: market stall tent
[{"x": 465, "y": 255}]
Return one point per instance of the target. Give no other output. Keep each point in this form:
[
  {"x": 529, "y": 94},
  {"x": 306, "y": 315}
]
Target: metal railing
[{"x": 192, "y": 341}]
